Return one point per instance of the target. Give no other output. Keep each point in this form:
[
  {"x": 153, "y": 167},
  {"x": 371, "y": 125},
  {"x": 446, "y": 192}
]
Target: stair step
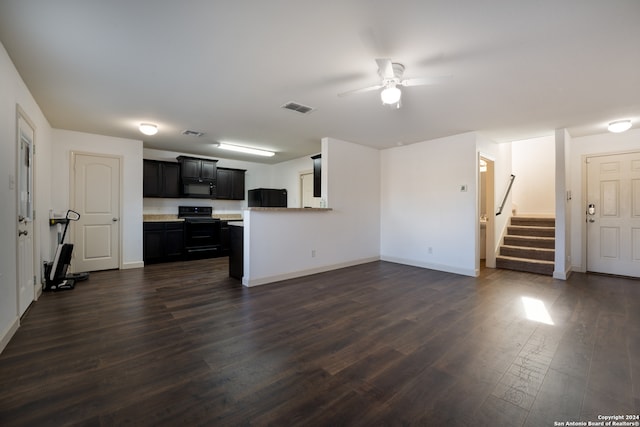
[
  {"x": 521, "y": 230},
  {"x": 533, "y": 221},
  {"x": 528, "y": 252},
  {"x": 521, "y": 264},
  {"x": 530, "y": 241}
]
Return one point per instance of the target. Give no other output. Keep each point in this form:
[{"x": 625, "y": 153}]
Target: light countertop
[{"x": 259, "y": 209}]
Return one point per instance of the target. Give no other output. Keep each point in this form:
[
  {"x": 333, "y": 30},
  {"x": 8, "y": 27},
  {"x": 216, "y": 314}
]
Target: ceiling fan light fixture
[
  {"x": 390, "y": 95},
  {"x": 148, "y": 128},
  {"x": 619, "y": 126},
  {"x": 246, "y": 150}
]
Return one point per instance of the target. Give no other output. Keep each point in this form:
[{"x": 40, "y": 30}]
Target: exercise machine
[{"x": 56, "y": 277}]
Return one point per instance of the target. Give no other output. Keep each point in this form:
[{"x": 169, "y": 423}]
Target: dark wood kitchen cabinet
[
  {"x": 160, "y": 179},
  {"x": 230, "y": 184},
  {"x": 197, "y": 170},
  {"x": 317, "y": 175},
  {"x": 224, "y": 237},
  {"x": 163, "y": 241},
  {"x": 236, "y": 251}
]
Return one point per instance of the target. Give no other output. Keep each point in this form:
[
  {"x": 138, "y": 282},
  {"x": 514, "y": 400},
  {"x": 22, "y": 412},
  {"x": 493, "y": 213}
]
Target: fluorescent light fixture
[
  {"x": 390, "y": 95},
  {"x": 619, "y": 126},
  {"x": 535, "y": 310},
  {"x": 247, "y": 150},
  {"x": 148, "y": 128}
]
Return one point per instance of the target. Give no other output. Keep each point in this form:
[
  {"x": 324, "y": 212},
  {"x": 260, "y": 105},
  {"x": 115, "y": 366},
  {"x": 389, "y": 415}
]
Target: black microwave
[{"x": 203, "y": 190}]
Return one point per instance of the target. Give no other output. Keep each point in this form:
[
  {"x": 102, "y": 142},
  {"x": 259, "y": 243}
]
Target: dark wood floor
[{"x": 376, "y": 344}]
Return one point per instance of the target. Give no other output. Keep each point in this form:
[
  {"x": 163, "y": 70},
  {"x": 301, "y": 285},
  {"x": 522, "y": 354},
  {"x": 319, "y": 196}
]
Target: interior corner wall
[
  {"x": 15, "y": 92},
  {"x": 287, "y": 175},
  {"x": 65, "y": 142},
  {"x": 534, "y": 166},
  {"x": 562, "y": 264},
  {"x": 426, "y": 220},
  {"x": 582, "y": 147}
]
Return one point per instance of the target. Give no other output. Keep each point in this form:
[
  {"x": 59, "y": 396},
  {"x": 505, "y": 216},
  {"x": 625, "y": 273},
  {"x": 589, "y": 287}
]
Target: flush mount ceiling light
[
  {"x": 390, "y": 95},
  {"x": 148, "y": 128},
  {"x": 619, "y": 126},
  {"x": 247, "y": 150}
]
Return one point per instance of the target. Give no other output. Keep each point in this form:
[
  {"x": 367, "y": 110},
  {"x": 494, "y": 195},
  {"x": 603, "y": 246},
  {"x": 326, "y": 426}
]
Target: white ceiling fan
[{"x": 391, "y": 74}]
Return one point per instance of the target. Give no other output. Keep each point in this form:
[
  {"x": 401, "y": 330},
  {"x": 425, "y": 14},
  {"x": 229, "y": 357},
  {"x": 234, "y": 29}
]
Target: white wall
[
  {"x": 281, "y": 245},
  {"x": 287, "y": 175},
  {"x": 534, "y": 168},
  {"x": 562, "y": 266},
  {"x": 257, "y": 175},
  {"x": 64, "y": 142},
  {"x": 14, "y": 92},
  {"x": 426, "y": 220},
  {"x": 606, "y": 143}
]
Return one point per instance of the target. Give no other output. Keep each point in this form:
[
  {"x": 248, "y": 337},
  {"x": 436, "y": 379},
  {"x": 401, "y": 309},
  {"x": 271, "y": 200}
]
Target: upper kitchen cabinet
[
  {"x": 197, "y": 170},
  {"x": 317, "y": 175},
  {"x": 230, "y": 185},
  {"x": 160, "y": 179}
]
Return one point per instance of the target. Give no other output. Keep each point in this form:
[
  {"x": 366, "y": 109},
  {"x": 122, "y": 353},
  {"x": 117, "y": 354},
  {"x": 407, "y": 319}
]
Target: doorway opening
[
  {"x": 486, "y": 202},
  {"x": 306, "y": 191}
]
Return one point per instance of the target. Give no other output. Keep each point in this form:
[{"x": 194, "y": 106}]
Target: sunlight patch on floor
[{"x": 536, "y": 311}]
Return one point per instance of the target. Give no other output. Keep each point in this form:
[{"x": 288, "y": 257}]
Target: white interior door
[
  {"x": 306, "y": 189},
  {"x": 96, "y": 198},
  {"x": 613, "y": 214},
  {"x": 26, "y": 271}
]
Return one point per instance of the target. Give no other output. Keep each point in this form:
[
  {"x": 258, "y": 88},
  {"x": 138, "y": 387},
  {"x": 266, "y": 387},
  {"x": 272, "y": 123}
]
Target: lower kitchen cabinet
[
  {"x": 163, "y": 241},
  {"x": 224, "y": 237},
  {"x": 236, "y": 251}
]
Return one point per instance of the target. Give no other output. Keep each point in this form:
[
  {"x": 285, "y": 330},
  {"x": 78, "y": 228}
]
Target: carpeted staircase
[{"x": 529, "y": 245}]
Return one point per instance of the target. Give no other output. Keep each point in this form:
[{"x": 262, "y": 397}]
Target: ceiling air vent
[
  {"x": 192, "y": 133},
  {"x": 294, "y": 106}
]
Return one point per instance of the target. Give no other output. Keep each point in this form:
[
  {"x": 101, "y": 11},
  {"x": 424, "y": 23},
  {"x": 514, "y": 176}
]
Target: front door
[
  {"x": 26, "y": 276},
  {"x": 96, "y": 197},
  {"x": 613, "y": 214}
]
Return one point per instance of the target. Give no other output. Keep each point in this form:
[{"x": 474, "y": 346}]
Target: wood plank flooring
[{"x": 376, "y": 344}]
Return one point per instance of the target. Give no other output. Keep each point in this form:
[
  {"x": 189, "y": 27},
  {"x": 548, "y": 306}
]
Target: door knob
[
  {"x": 592, "y": 220},
  {"x": 114, "y": 219},
  {"x": 21, "y": 218},
  {"x": 23, "y": 232}
]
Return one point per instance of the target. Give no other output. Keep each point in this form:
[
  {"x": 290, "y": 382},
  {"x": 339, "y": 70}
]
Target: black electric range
[{"x": 202, "y": 236}]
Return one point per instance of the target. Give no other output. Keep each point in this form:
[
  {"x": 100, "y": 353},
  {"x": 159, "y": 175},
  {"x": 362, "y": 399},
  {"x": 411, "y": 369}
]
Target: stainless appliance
[
  {"x": 267, "y": 198},
  {"x": 202, "y": 236}
]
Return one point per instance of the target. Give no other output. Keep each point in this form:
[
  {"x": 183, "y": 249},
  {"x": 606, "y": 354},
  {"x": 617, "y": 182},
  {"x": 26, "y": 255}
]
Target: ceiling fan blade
[
  {"x": 385, "y": 68},
  {"x": 424, "y": 81},
  {"x": 362, "y": 90}
]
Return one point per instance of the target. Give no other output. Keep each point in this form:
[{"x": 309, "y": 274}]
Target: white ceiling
[{"x": 520, "y": 69}]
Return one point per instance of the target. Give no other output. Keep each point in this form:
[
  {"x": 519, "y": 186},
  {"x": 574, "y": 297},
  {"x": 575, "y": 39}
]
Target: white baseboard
[
  {"x": 432, "y": 266},
  {"x": 562, "y": 275},
  {"x": 8, "y": 333},
  {"x": 135, "y": 264},
  {"x": 308, "y": 272}
]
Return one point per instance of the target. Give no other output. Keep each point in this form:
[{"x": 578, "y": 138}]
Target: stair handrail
[{"x": 506, "y": 194}]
